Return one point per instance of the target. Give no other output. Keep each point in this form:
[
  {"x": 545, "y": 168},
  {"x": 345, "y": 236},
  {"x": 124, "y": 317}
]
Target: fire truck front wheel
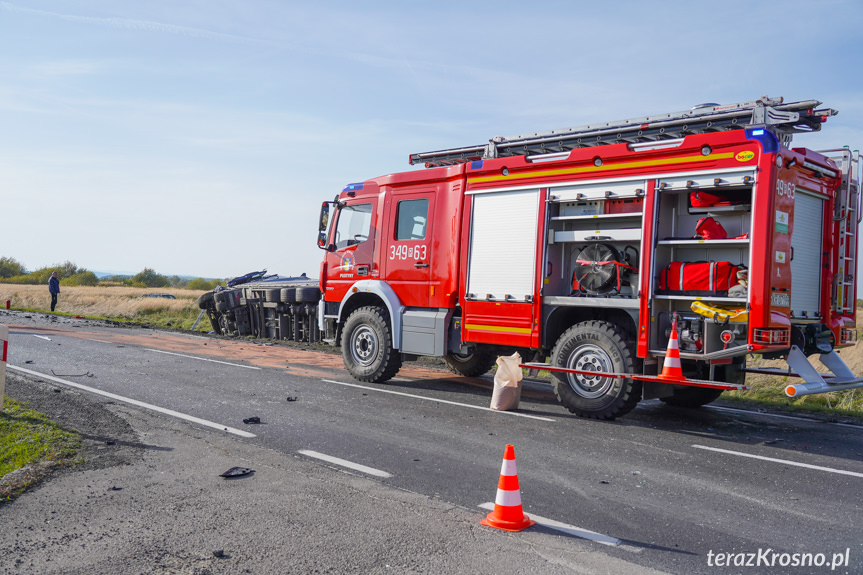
[
  {"x": 595, "y": 346},
  {"x": 367, "y": 346}
]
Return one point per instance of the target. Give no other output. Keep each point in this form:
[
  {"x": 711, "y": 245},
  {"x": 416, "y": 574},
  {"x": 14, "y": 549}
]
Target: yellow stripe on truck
[
  {"x": 585, "y": 169},
  {"x": 498, "y": 328}
]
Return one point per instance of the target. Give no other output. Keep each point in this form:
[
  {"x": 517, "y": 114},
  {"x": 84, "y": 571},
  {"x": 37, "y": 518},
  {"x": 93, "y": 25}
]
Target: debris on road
[{"x": 237, "y": 472}]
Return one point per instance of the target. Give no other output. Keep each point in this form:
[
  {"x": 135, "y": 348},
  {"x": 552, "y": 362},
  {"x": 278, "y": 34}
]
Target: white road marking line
[
  {"x": 437, "y": 400},
  {"x": 166, "y": 411},
  {"x": 344, "y": 463},
  {"x": 569, "y": 529},
  {"x": 782, "y": 461},
  {"x": 99, "y": 340},
  {"x": 203, "y": 358},
  {"x": 46, "y": 338},
  {"x": 779, "y": 416}
]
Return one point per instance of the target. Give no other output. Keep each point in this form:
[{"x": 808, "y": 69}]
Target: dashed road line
[
  {"x": 345, "y": 463},
  {"x": 568, "y": 529}
]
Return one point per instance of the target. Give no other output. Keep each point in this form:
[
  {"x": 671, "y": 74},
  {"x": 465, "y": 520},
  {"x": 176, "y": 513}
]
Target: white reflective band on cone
[
  {"x": 508, "y": 467},
  {"x": 507, "y": 498}
]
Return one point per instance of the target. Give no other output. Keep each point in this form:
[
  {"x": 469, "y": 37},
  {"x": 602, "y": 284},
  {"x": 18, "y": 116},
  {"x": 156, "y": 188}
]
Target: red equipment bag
[
  {"x": 710, "y": 229},
  {"x": 698, "y": 278},
  {"x": 624, "y": 206},
  {"x": 702, "y": 199}
]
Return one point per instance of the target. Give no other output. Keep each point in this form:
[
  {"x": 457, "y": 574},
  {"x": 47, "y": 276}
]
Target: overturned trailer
[{"x": 266, "y": 306}]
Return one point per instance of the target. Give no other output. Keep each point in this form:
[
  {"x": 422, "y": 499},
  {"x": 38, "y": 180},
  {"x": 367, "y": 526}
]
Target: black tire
[
  {"x": 367, "y": 346},
  {"x": 471, "y": 364},
  {"x": 595, "y": 346},
  {"x": 289, "y": 295},
  {"x": 308, "y": 295},
  {"x": 205, "y": 300},
  {"x": 692, "y": 397},
  {"x": 272, "y": 295}
]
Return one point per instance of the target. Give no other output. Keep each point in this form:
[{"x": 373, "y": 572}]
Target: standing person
[{"x": 54, "y": 288}]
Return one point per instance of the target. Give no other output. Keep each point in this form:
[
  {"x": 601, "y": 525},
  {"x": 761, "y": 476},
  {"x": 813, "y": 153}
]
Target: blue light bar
[
  {"x": 476, "y": 165},
  {"x": 353, "y": 187},
  {"x": 768, "y": 140}
]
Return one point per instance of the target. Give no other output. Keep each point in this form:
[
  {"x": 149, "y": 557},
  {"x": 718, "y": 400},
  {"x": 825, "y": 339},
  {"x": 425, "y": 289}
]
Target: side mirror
[
  {"x": 325, "y": 217},
  {"x": 323, "y": 222}
]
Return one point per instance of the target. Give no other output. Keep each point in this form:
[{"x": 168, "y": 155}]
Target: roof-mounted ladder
[
  {"x": 782, "y": 119},
  {"x": 848, "y": 213}
]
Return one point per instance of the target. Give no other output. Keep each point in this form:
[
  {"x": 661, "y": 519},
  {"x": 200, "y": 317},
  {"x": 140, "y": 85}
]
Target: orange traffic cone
[
  {"x": 507, "y": 514},
  {"x": 671, "y": 367}
]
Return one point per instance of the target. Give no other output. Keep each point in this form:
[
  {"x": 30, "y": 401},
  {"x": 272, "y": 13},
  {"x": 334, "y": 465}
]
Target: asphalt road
[{"x": 675, "y": 490}]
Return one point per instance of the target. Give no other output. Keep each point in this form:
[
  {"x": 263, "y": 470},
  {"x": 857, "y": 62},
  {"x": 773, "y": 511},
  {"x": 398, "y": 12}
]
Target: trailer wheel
[
  {"x": 471, "y": 364},
  {"x": 367, "y": 346},
  {"x": 595, "y": 346},
  {"x": 205, "y": 300},
  {"x": 308, "y": 295}
]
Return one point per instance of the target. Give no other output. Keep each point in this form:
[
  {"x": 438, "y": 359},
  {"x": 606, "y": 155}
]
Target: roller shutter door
[
  {"x": 806, "y": 240},
  {"x": 503, "y": 245}
]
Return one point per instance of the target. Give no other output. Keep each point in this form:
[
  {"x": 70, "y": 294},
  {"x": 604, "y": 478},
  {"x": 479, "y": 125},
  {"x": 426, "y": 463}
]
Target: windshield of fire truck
[{"x": 354, "y": 224}]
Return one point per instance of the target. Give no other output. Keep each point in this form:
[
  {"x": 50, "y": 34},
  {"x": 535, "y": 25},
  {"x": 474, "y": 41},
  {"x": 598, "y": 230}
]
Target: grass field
[{"x": 119, "y": 303}]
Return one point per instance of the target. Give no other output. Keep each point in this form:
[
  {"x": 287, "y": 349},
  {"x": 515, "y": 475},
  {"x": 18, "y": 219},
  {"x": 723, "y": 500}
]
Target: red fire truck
[{"x": 585, "y": 245}]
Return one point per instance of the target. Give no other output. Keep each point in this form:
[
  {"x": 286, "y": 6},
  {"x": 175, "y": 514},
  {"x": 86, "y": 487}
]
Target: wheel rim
[
  {"x": 364, "y": 345},
  {"x": 590, "y": 358}
]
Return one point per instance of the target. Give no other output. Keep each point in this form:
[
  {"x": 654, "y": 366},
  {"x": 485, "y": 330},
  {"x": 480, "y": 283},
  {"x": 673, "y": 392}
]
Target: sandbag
[{"x": 507, "y": 383}]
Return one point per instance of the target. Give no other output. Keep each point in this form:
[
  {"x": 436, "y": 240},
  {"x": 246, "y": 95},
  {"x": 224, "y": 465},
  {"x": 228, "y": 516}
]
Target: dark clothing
[{"x": 54, "y": 289}]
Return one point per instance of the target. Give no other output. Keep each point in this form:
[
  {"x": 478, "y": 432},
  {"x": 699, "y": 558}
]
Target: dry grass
[{"x": 113, "y": 302}]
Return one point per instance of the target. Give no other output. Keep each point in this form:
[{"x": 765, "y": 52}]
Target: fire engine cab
[{"x": 593, "y": 247}]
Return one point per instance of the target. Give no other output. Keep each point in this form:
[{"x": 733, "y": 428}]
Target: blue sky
[{"x": 199, "y": 137}]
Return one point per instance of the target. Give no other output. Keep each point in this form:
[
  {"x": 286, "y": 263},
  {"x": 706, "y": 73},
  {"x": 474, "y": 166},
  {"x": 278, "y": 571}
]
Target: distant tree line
[{"x": 12, "y": 271}]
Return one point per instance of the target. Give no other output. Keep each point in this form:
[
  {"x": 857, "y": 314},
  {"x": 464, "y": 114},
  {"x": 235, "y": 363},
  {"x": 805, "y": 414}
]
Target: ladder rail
[{"x": 784, "y": 119}]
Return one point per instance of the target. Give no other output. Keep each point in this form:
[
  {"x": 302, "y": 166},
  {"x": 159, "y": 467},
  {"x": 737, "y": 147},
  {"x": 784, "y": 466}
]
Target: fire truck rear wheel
[
  {"x": 602, "y": 347},
  {"x": 697, "y": 396},
  {"x": 692, "y": 397},
  {"x": 471, "y": 364},
  {"x": 367, "y": 346}
]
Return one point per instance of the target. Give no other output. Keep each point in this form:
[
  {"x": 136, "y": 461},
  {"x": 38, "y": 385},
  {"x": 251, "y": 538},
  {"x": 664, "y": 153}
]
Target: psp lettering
[{"x": 769, "y": 558}]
